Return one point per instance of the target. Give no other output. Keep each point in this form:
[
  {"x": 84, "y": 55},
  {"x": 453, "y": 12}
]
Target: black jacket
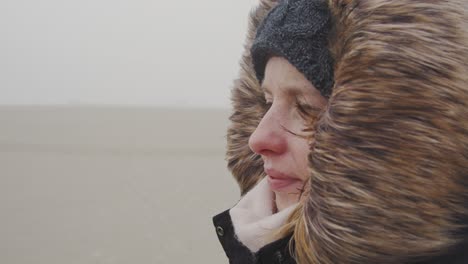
[
  {"x": 274, "y": 253},
  {"x": 278, "y": 251}
]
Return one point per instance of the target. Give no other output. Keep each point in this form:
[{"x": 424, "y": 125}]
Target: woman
[{"x": 349, "y": 136}]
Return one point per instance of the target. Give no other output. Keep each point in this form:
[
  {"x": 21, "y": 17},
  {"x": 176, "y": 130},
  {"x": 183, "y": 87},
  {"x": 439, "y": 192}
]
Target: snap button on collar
[
  {"x": 279, "y": 256},
  {"x": 220, "y": 231}
]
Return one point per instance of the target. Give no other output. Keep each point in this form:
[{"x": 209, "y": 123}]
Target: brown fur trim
[
  {"x": 389, "y": 166},
  {"x": 390, "y": 159}
]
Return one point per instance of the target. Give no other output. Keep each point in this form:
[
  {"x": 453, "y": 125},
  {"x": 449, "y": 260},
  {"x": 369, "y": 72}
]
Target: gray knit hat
[{"x": 298, "y": 31}]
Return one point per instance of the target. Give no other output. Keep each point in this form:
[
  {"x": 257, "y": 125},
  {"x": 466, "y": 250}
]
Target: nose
[{"x": 269, "y": 137}]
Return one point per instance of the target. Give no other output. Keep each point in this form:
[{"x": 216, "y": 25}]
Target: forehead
[{"x": 281, "y": 76}]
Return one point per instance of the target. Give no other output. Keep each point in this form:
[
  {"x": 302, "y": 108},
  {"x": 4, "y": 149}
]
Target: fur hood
[{"x": 389, "y": 164}]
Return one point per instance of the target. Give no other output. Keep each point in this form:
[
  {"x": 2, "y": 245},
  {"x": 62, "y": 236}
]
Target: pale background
[
  {"x": 152, "y": 52},
  {"x": 113, "y": 117}
]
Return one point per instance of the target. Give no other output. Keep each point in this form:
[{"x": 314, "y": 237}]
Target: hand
[{"x": 254, "y": 218}]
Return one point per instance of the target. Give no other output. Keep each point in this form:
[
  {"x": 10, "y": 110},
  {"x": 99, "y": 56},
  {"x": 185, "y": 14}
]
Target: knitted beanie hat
[{"x": 298, "y": 31}]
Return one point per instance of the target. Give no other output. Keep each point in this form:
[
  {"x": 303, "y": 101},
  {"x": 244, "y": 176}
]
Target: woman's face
[{"x": 279, "y": 137}]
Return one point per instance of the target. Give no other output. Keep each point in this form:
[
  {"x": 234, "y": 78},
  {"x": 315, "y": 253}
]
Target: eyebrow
[
  {"x": 290, "y": 90},
  {"x": 295, "y": 92}
]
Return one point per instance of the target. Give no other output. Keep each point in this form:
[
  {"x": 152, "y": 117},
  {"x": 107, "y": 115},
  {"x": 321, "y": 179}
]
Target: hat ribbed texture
[{"x": 298, "y": 31}]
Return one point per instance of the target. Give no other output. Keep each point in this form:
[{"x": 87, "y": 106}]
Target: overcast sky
[{"x": 133, "y": 52}]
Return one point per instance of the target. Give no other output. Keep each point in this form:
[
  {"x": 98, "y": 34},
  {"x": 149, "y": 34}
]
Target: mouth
[{"x": 279, "y": 181}]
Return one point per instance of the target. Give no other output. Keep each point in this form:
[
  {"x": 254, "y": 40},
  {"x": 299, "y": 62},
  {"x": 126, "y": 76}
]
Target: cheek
[{"x": 300, "y": 151}]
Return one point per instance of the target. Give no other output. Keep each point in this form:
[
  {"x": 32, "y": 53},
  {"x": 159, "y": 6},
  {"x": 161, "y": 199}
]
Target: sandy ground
[{"x": 112, "y": 185}]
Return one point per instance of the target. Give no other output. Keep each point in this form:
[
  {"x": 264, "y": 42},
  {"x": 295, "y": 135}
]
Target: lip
[{"x": 279, "y": 181}]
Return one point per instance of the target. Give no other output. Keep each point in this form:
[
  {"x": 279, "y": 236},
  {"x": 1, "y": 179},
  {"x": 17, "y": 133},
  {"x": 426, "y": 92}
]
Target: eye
[
  {"x": 306, "y": 111},
  {"x": 303, "y": 109}
]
